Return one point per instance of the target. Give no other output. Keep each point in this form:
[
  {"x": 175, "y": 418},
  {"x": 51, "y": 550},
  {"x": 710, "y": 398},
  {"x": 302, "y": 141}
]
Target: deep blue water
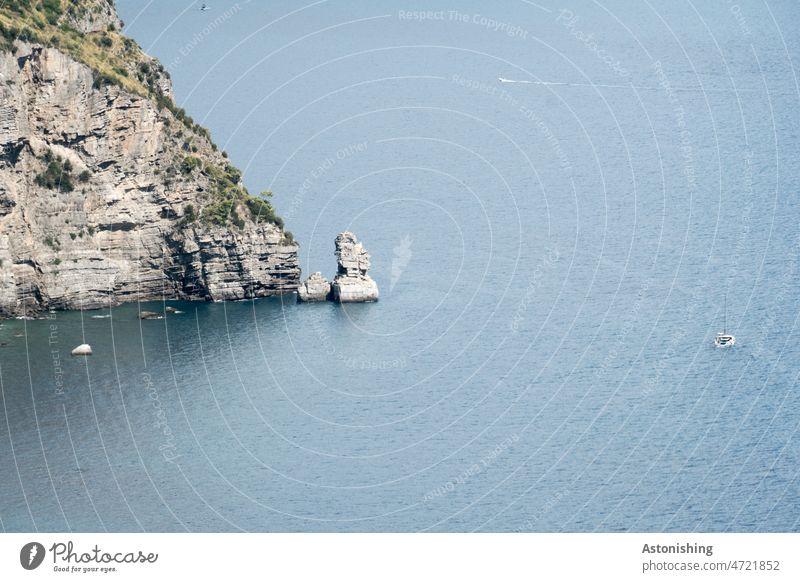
[{"x": 553, "y": 258}]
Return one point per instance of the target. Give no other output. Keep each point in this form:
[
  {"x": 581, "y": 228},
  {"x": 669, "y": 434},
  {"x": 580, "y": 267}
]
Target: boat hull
[{"x": 724, "y": 341}]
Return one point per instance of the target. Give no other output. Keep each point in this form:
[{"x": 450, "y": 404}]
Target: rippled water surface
[{"x": 553, "y": 256}]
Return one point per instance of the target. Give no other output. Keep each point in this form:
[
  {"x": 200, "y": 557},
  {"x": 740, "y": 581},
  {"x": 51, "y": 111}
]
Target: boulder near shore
[{"x": 314, "y": 288}]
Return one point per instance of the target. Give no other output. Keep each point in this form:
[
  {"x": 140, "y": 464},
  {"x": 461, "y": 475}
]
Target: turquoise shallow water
[{"x": 553, "y": 258}]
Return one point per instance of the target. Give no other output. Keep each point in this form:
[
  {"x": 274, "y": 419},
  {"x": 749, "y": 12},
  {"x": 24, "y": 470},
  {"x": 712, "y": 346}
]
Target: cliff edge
[{"x": 108, "y": 191}]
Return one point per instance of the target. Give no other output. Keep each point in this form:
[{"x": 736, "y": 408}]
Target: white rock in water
[
  {"x": 352, "y": 283},
  {"x": 355, "y": 289},
  {"x": 314, "y": 288},
  {"x": 82, "y": 350}
]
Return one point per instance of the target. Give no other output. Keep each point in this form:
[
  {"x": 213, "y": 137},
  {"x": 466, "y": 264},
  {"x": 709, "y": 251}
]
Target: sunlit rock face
[
  {"x": 96, "y": 208},
  {"x": 352, "y": 284}
]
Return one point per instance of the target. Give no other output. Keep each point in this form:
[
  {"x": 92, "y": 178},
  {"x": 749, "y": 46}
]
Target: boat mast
[{"x": 725, "y": 317}]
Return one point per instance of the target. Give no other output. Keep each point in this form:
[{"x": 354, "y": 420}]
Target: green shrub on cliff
[
  {"x": 189, "y": 164},
  {"x": 10, "y": 33},
  {"x": 189, "y": 215},
  {"x": 100, "y": 79},
  {"x": 18, "y": 5},
  {"x": 52, "y": 10},
  {"x": 57, "y": 174},
  {"x": 262, "y": 211},
  {"x": 219, "y": 211}
]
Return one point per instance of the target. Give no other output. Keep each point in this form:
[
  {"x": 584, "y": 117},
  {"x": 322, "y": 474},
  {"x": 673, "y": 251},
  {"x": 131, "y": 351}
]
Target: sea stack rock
[
  {"x": 314, "y": 288},
  {"x": 352, "y": 283}
]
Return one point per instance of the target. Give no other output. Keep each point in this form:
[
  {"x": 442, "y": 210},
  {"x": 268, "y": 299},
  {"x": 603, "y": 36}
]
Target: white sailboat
[{"x": 723, "y": 338}]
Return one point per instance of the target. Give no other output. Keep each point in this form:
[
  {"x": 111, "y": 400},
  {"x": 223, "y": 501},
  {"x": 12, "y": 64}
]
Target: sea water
[{"x": 554, "y": 253}]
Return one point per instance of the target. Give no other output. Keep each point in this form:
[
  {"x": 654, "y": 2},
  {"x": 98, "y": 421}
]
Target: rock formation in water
[
  {"x": 150, "y": 315},
  {"x": 314, "y": 288},
  {"x": 352, "y": 284},
  {"x": 108, "y": 191}
]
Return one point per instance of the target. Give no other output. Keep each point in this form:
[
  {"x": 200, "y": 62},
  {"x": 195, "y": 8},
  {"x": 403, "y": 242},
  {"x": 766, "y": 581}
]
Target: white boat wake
[
  {"x": 562, "y": 84},
  {"x": 612, "y": 86}
]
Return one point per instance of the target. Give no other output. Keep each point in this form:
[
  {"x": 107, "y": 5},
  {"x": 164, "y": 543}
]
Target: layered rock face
[
  {"x": 98, "y": 204},
  {"x": 92, "y": 16},
  {"x": 352, "y": 283},
  {"x": 314, "y": 288}
]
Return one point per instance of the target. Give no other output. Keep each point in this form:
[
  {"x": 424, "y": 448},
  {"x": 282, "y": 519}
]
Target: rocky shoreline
[
  {"x": 110, "y": 193},
  {"x": 352, "y": 283}
]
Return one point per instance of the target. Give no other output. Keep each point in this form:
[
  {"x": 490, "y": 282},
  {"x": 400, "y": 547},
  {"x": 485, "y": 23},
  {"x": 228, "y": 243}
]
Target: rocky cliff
[{"x": 108, "y": 191}]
